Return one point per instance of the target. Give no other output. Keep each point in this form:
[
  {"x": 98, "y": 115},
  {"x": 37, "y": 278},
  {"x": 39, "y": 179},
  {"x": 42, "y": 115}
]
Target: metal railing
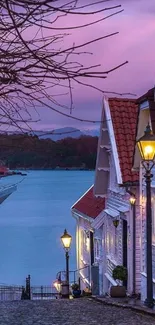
[
  {"x": 44, "y": 293},
  {"x": 76, "y": 276},
  {"x": 10, "y": 293},
  {"x": 13, "y": 292}
]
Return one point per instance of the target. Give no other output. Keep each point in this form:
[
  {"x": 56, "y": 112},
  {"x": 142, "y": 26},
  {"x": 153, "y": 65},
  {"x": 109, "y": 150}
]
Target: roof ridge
[
  {"x": 123, "y": 99},
  {"x": 124, "y": 125}
]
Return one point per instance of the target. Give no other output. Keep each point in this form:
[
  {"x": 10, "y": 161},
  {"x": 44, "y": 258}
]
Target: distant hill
[
  {"x": 26, "y": 151},
  {"x": 66, "y": 132},
  {"x": 59, "y": 134},
  {"x": 62, "y": 133}
]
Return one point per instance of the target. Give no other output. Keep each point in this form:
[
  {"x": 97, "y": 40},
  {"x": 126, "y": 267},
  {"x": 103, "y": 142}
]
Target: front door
[{"x": 91, "y": 247}]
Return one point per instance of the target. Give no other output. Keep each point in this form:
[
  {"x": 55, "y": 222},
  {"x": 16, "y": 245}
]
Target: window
[
  {"x": 112, "y": 238},
  {"x": 115, "y": 242},
  {"x": 85, "y": 242},
  {"x": 82, "y": 242},
  {"x": 97, "y": 248}
]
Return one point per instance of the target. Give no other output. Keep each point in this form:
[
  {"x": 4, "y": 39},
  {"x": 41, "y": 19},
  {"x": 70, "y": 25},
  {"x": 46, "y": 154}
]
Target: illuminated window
[
  {"x": 115, "y": 242},
  {"x": 85, "y": 242},
  {"x": 97, "y": 248}
]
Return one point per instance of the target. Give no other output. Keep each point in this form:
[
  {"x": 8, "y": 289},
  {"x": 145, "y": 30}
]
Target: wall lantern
[
  {"x": 115, "y": 223},
  {"x": 132, "y": 200}
]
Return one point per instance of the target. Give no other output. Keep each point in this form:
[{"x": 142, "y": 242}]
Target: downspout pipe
[{"x": 134, "y": 243}]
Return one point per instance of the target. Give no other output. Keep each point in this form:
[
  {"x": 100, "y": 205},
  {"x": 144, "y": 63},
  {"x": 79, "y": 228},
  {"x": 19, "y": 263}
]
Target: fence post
[
  {"x": 29, "y": 292},
  {"x": 28, "y": 289}
]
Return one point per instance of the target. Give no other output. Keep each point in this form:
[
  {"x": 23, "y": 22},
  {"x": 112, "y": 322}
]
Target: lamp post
[
  {"x": 66, "y": 241},
  {"x": 132, "y": 202},
  {"x": 146, "y": 146}
]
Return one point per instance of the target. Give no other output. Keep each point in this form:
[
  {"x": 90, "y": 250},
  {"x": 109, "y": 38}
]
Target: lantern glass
[
  {"x": 146, "y": 145},
  {"x": 57, "y": 285},
  {"x": 66, "y": 240},
  {"x": 132, "y": 200}
]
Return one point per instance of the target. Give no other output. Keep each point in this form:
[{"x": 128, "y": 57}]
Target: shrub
[
  {"x": 75, "y": 286},
  {"x": 120, "y": 273}
]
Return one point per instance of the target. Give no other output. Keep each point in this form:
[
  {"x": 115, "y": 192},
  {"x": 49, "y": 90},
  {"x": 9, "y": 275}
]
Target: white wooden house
[
  {"x": 88, "y": 212},
  {"x": 119, "y": 175},
  {"x": 114, "y": 179}
]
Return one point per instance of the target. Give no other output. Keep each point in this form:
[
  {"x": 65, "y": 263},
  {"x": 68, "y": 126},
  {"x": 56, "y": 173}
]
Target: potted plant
[
  {"x": 119, "y": 273},
  {"x": 76, "y": 290}
]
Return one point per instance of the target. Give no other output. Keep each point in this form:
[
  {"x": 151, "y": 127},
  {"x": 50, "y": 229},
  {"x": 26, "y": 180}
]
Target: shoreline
[{"x": 57, "y": 169}]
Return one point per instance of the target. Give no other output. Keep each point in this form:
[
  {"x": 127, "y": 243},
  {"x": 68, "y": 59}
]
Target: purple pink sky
[{"x": 134, "y": 43}]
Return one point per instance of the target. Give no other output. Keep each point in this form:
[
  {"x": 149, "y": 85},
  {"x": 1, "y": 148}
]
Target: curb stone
[{"x": 138, "y": 309}]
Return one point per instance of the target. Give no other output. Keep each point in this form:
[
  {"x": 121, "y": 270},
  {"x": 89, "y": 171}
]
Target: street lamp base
[
  {"x": 65, "y": 296},
  {"x": 65, "y": 290},
  {"x": 149, "y": 303}
]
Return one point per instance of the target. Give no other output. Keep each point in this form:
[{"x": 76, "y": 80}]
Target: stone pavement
[
  {"x": 127, "y": 302},
  {"x": 82, "y": 311}
]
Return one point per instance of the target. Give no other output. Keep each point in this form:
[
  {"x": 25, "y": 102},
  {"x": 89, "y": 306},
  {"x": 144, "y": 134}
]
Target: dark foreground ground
[{"x": 68, "y": 312}]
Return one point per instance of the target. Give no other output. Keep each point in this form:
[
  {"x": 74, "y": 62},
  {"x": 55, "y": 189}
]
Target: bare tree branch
[{"x": 35, "y": 61}]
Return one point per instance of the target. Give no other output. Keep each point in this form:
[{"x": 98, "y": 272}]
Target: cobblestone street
[{"x": 71, "y": 312}]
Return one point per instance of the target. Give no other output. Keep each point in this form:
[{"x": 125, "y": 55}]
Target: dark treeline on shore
[{"x": 24, "y": 151}]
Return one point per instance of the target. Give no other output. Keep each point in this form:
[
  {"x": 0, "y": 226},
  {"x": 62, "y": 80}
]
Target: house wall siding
[
  {"x": 138, "y": 255},
  {"x": 116, "y": 197},
  {"x": 84, "y": 227}
]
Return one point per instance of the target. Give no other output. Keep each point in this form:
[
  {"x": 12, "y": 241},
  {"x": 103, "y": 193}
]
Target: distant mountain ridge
[
  {"x": 62, "y": 133},
  {"x": 66, "y": 132}
]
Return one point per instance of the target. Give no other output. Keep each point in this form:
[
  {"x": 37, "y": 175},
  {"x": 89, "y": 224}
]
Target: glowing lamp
[
  {"x": 132, "y": 200},
  {"x": 66, "y": 240},
  {"x": 146, "y": 145},
  {"x": 57, "y": 285}
]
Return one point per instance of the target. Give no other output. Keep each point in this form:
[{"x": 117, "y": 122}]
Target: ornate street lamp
[
  {"x": 66, "y": 241},
  {"x": 146, "y": 145}
]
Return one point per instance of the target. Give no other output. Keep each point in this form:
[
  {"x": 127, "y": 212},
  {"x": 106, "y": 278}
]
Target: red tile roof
[
  {"x": 90, "y": 205},
  {"x": 124, "y": 113}
]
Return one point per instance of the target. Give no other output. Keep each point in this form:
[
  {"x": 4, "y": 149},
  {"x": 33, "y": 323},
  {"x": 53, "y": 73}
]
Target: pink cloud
[{"x": 135, "y": 43}]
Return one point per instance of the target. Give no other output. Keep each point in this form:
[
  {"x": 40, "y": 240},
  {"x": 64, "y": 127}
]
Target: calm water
[{"x": 32, "y": 220}]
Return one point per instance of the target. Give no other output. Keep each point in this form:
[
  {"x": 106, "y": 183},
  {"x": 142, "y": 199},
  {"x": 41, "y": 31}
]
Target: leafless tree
[{"x": 36, "y": 65}]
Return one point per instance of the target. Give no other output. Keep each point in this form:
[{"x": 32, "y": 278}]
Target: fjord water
[{"x": 32, "y": 220}]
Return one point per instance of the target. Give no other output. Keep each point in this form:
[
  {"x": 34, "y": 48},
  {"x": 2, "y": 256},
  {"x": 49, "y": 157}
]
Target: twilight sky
[{"x": 135, "y": 43}]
